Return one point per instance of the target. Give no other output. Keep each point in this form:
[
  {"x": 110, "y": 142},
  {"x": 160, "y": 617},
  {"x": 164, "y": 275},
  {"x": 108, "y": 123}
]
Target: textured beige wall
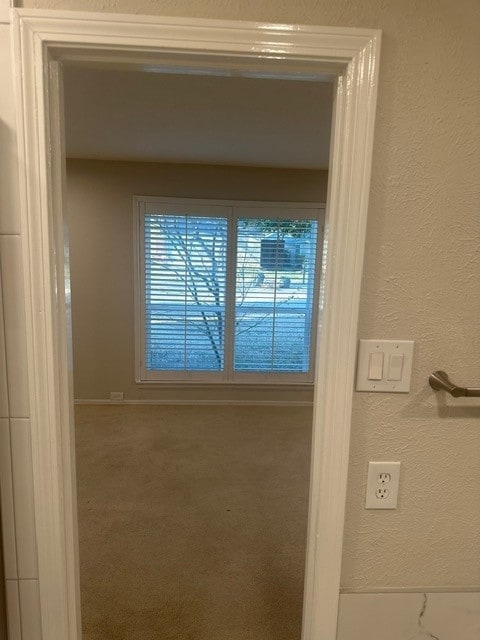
[
  {"x": 100, "y": 209},
  {"x": 3, "y": 611},
  {"x": 420, "y": 281}
]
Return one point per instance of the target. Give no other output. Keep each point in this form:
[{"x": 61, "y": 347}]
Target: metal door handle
[{"x": 439, "y": 380}]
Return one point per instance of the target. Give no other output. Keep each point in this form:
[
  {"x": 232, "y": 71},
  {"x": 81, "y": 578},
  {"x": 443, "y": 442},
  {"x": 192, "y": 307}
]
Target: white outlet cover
[
  {"x": 369, "y": 353},
  {"x": 375, "y": 482}
]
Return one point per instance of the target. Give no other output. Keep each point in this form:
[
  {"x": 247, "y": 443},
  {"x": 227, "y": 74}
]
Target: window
[{"x": 226, "y": 291}]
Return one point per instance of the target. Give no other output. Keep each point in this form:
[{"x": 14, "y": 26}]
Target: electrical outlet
[
  {"x": 383, "y": 479},
  {"x": 116, "y": 396}
]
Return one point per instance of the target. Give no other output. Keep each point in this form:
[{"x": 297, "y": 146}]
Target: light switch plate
[{"x": 393, "y": 367}]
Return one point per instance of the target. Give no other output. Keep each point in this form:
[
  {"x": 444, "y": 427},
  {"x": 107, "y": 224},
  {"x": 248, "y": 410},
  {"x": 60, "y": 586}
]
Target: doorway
[
  {"x": 193, "y": 486},
  {"x": 349, "y": 55}
]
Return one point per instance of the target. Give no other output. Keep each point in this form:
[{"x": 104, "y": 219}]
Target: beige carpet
[{"x": 192, "y": 521}]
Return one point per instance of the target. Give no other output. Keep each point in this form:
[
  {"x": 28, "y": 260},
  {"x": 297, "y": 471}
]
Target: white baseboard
[
  {"x": 415, "y": 589},
  {"x": 253, "y": 403}
]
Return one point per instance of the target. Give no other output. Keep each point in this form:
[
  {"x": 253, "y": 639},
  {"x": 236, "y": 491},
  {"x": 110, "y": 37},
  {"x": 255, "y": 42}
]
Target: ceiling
[{"x": 168, "y": 117}]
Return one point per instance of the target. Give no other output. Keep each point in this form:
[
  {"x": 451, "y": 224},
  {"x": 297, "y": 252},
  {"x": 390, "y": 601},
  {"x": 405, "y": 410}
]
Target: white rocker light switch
[
  {"x": 385, "y": 366},
  {"x": 375, "y": 366},
  {"x": 395, "y": 367}
]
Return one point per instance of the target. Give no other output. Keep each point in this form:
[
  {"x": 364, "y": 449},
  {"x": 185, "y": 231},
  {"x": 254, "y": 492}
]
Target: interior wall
[
  {"x": 100, "y": 213},
  {"x": 420, "y": 282},
  {"x": 420, "y": 278}
]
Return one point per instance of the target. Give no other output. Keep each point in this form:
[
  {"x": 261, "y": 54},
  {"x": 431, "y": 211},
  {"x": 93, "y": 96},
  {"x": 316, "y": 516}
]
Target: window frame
[{"x": 232, "y": 210}]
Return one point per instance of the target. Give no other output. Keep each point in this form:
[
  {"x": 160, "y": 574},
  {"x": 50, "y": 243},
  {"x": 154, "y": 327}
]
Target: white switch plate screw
[{"x": 383, "y": 479}]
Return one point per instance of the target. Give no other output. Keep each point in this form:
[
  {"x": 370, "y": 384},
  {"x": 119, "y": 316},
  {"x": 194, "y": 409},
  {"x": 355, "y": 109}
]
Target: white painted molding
[{"x": 43, "y": 40}]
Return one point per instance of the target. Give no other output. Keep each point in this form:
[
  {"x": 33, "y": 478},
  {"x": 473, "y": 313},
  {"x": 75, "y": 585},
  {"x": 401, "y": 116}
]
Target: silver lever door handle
[{"x": 439, "y": 380}]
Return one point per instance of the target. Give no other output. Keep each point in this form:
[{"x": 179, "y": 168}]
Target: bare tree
[
  {"x": 198, "y": 260},
  {"x": 196, "y": 255}
]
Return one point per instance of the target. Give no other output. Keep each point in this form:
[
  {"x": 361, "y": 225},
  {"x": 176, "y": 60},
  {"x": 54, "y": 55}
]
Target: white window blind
[
  {"x": 226, "y": 292},
  {"x": 185, "y": 276},
  {"x": 274, "y": 294}
]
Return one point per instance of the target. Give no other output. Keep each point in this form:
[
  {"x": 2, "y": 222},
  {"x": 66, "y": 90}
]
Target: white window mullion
[
  {"x": 140, "y": 298},
  {"x": 274, "y": 311},
  {"x": 230, "y": 294},
  {"x": 308, "y": 331},
  {"x": 185, "y": 328}
]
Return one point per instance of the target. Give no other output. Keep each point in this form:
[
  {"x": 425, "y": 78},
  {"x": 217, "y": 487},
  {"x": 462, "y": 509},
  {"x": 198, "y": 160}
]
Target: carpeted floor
[{"x": 192, "y": 521}]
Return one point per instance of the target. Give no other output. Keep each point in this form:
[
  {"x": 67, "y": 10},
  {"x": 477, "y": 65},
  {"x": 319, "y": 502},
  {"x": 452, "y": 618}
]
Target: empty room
[{"x": 196, "y": 207}]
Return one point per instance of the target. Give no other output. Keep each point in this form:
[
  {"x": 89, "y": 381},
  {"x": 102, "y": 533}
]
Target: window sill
[
  {"x": 223, "y": 393},
  {"x": 176, "y": 384}
]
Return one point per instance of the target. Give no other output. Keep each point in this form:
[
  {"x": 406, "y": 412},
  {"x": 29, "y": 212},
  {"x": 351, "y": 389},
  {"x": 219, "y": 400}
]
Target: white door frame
[{"x": 45, "y": 39}]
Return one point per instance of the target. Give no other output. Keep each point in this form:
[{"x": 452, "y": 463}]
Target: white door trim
[{"x": 45, "y": 39}]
